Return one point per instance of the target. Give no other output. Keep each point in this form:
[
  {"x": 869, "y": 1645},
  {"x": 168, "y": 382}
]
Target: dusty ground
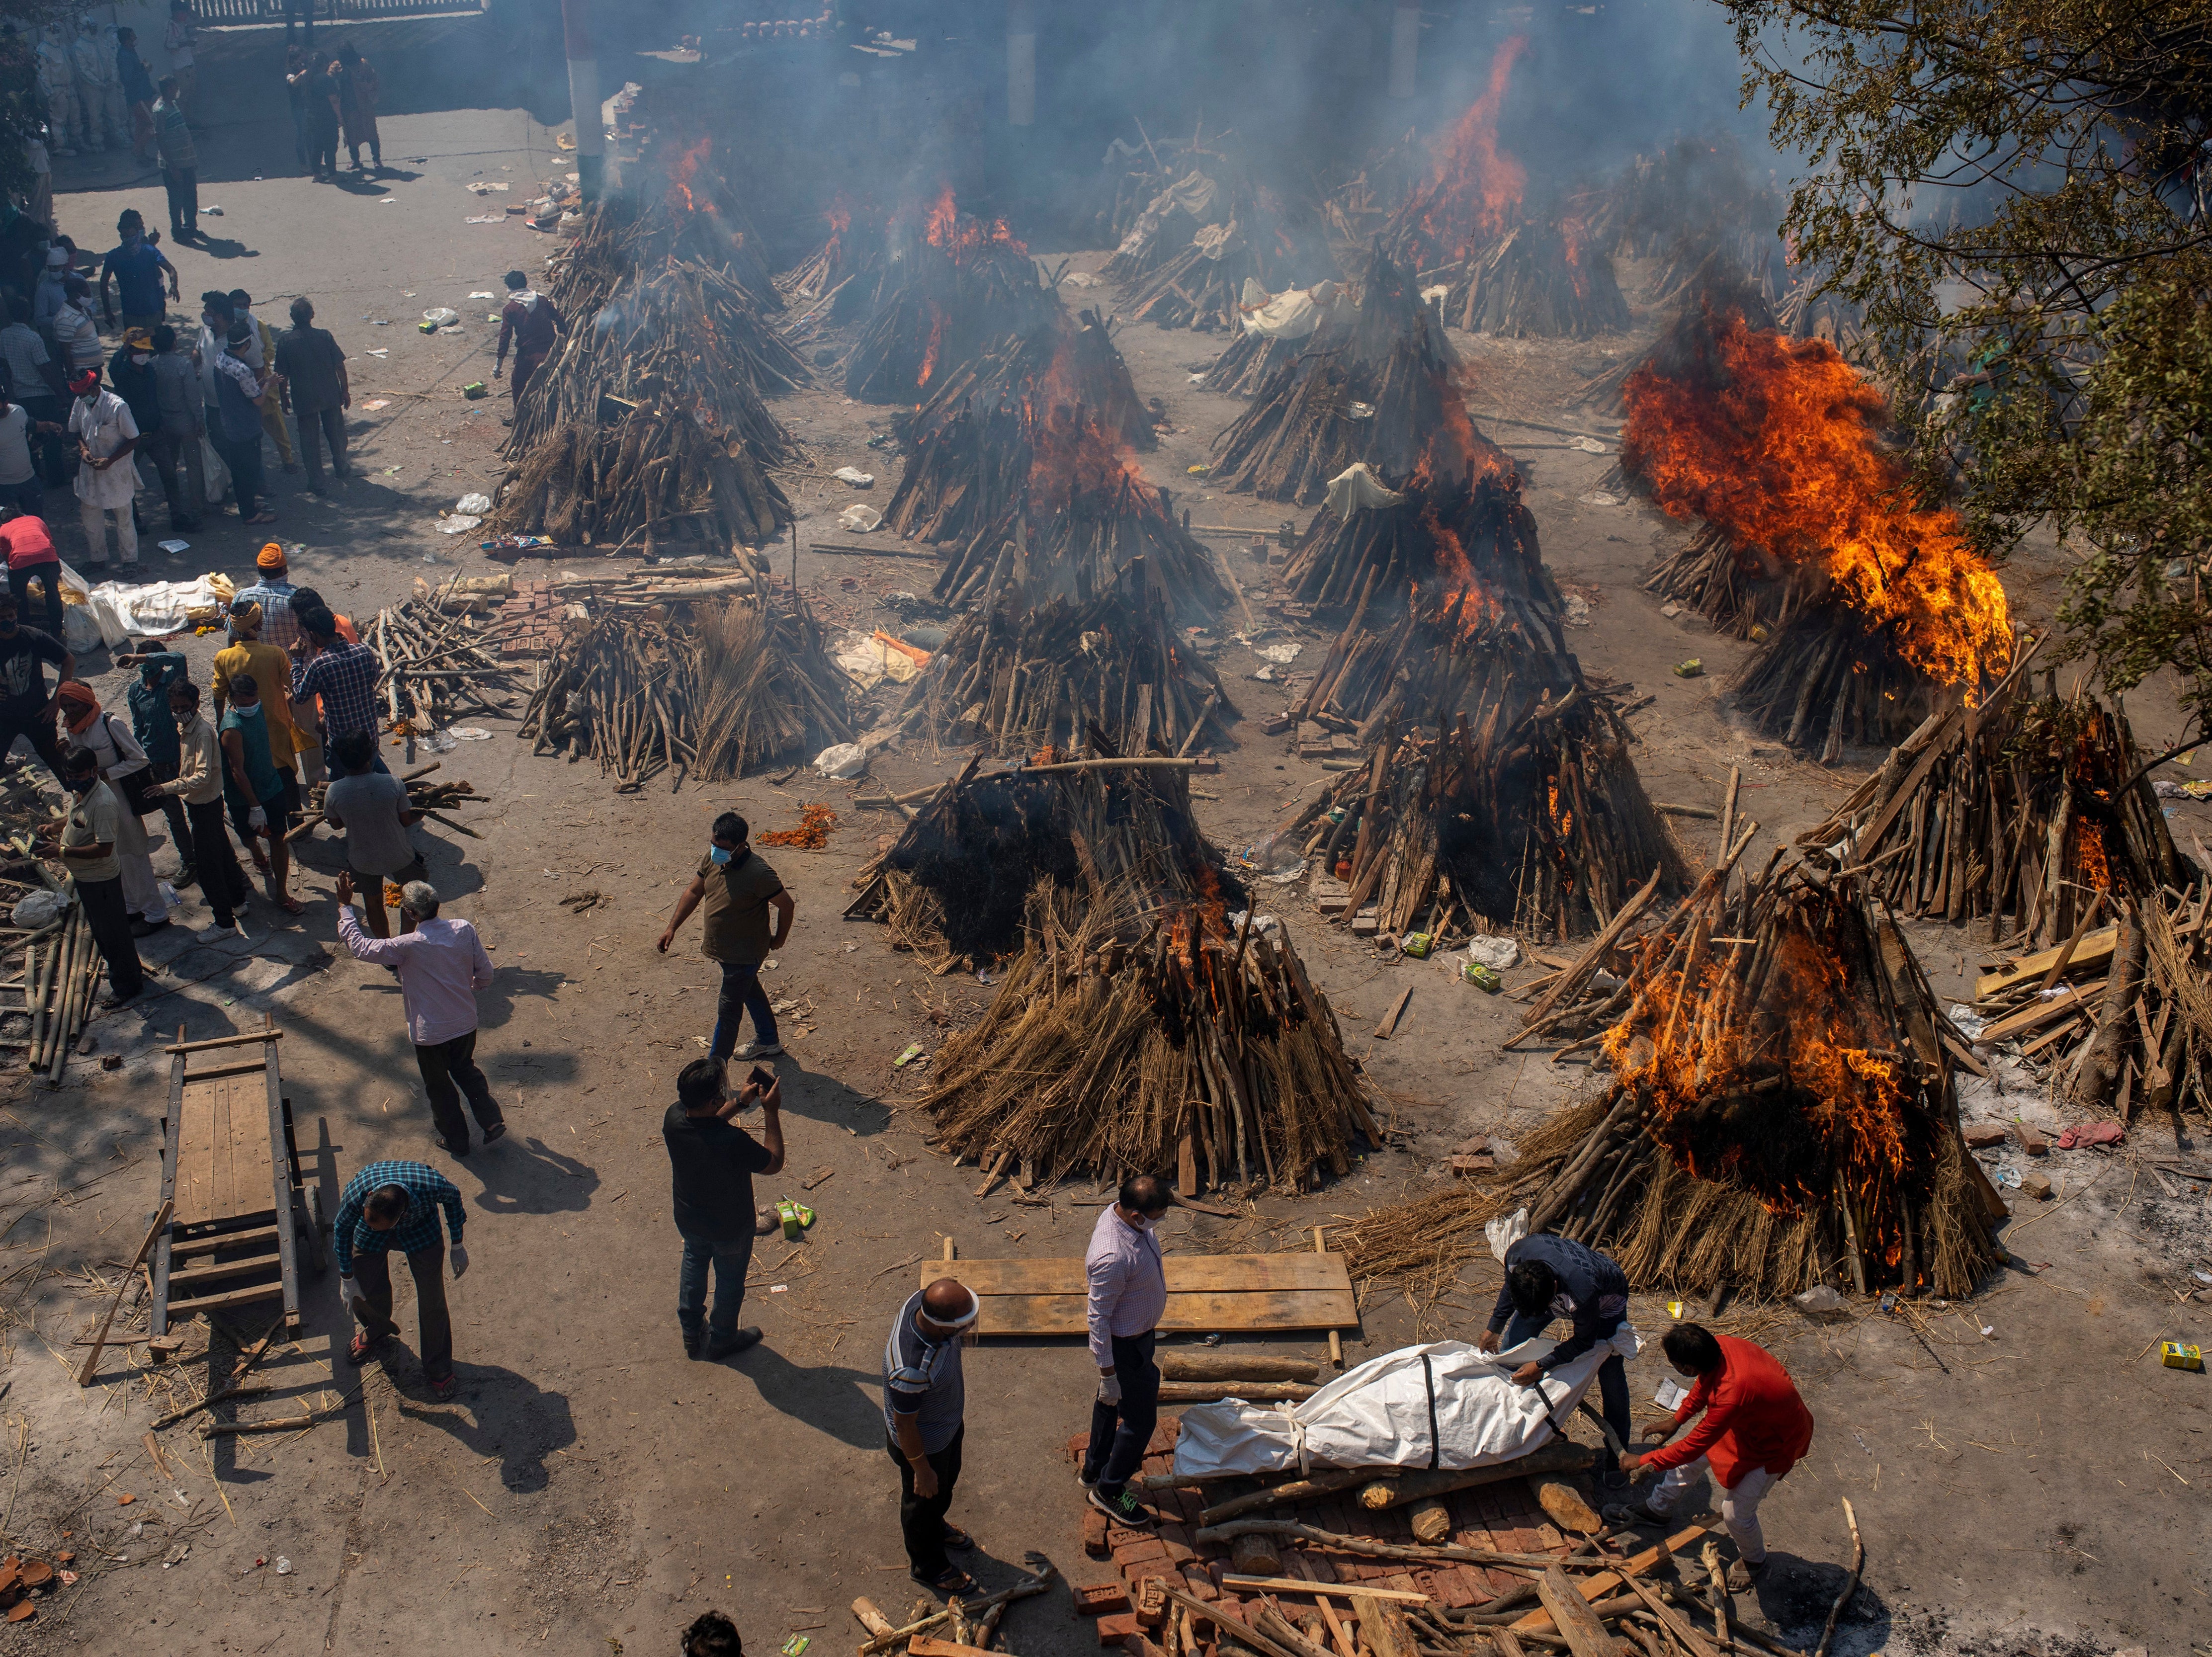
[{"x": 2027, "y": 1477}]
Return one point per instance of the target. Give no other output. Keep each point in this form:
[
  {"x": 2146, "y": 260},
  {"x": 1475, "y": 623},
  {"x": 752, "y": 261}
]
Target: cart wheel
[{"x": 313, "y": 1239}]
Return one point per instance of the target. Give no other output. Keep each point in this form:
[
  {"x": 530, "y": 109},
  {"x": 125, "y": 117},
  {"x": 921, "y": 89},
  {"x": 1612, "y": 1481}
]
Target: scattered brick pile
[{"x": 1503, "y": 1516}]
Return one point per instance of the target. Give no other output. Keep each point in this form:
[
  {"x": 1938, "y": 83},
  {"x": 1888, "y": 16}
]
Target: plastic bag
[
  {"x": 844, "y": 759},
  {"x": 856, "y": 477},
  {"x": 443, "y": 316},
  {"x": 859, "y": 517},
  {"x": 1506, "y": 1232},
  {"x": 81, "y": 630},
  {"x": 1495, "y": 953},
  {"x": 478, "y": 504},
  {"x": 38, "y": 909},
  {"x": 216, "y": 472}
]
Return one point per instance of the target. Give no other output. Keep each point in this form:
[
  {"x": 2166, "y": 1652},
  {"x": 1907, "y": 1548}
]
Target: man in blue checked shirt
[
  {"x": 390, "y": 1205},
  {"x": 343, "y": 674}
]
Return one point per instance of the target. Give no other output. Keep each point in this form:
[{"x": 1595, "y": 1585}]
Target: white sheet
[{"x": 1377, "y": 1415}]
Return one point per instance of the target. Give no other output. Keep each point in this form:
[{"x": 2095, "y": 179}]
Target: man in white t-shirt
[{"x": 106, "y": 477}]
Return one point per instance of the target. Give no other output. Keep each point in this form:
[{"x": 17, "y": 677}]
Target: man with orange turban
[{"x": 280, "y": 626}]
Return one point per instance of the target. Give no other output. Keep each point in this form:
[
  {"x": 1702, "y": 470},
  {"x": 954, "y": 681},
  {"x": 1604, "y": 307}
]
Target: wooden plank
[
  {"x": 1570, "y": 1613},
  {"x": 1388, "y": 1027},
  {"x": 280, "y": 1171},
  {"x": 172, "y": 1119},
  {"x": 100, "y": 1340},
  {"x": 2095, "y": 949},
  {"x": 2079, "y": 997},
  {"x": 1601, "y": 1584},
  {"x": 249, "y": 1145},
  {"x": 1186, "y": 1274},
  {"x": 1342, "y": 1590},
  {"x": 1065, "y": 1314},
  {"x": 215, "y": 1272},
  {"x": 223, "y": 1185},
  {"x": 185, "y": 1309},
  {"x": 195, "y": 1157},
  {"x": 225, "y": 1042},
  {"x": 217, "y": 1072},
  {"x": 183, "y": 1247}
]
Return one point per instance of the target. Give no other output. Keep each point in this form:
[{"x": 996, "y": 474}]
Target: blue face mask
[{"x": 720, "y": 853}]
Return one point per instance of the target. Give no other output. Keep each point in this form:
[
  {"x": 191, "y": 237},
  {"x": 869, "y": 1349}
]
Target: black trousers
[
  {"x": 222, "y": 883},
  {"x": 49, "y": 452},
  {"x": 111, "y": 934},
  {"x": 921, "y": 1519},
  {"x": 1612, "y": 1381},
  {"x": 184, "y": 188},
  {"x": 243, "y": 456},
  {"x": 1118, "y": 1432},
  {"x": 38, "y": 729},
  {"x": 49, "y": 577},
  {"x": 180, "y": 828},
  {"x": 444, "y": 1065},
  {"x": 319, "y": 427},
  {"x": 373, "y": 1273}
]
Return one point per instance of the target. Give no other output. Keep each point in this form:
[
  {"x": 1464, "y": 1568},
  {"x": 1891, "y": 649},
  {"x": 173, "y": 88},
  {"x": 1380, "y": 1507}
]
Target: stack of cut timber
[
  {"x": 435, "y": 664},
  {"x": 1184, "y": 274},
  {"x": 1020, "y": 679},
  {"x": 951, "y": 287},
  {"x": 847, "y": 263},
  {"x": 1544, "y": 279}
]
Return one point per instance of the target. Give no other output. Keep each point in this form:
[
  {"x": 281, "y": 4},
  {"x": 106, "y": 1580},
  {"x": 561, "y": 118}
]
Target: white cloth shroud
[
  {"x": 1357, "y": 488},
  {"x": 1291, "y": 314},
  {"x": 1380, "y": 1415}
]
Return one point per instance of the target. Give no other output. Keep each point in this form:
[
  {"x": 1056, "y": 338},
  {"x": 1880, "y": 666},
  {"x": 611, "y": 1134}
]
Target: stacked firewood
[
  {"x": 696, "y": 219},
  {"x": 1187, "y": 1048},
  {"x": 1781, "y": 1112},
  {"x": 1251, "y": 361},
  {"x": 435, "y": 664},
  {"x": 655, "y": 475},
  {"x": 2032, "y": 809},
  {"x": 947, "y": 293},
  {"x": 847, "y": 263},
  {"x": 1542, "y": 278},
  {"x": 1020, "y": 678},
  {"x": 1690, "y": 206},
  {"x": 1442, "y": 532},
  {"x": 745, "y": 682},
  {"x": 432, "y": 799},
  {"x": 1374, "y": 383},
  {"x": 1182, "y": 272}
]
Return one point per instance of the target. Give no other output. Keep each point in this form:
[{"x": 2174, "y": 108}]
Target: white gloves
[
  {"x": 256, "y": 818},
  {"x": 350, "y": 1294},
  {"x": 460, "y": 1256},
  {"x": 1110, "y": 1389}
]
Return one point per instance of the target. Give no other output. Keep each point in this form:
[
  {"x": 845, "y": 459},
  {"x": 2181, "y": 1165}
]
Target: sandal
[
  {"x": 263, "y": 518},
  {"x": 291, "y": 905},
  {"x": 363, "y": 1344},
  {"x": 954, "y": 1581},
  {"x": 957, "y": 1539}
]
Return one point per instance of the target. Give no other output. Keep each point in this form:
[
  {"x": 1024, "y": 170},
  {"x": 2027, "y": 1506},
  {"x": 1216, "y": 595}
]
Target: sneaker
[
  {"x": 1742, "y": 1576},
  {"x": 1084, "y": 1477},
  {"x": 760, "y": 1050},
  {"x": 460, "y": 1150},
  {"x": 1123, "y": 1508},
  {"x": 140, "y": 927},
  {"x": 722, "y": 1346},
  {"x": 185, "y": 877}
]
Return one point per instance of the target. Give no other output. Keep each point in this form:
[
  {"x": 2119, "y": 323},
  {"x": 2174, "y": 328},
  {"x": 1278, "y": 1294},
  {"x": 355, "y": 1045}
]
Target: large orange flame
[
  {"x": 685, "y": 168},
  {"x": 1778, "y": 448},
  {"x": 960, "y": 236},
  {"x": 1072, "y": 453},
  {"x": 1475, "y": 188}
]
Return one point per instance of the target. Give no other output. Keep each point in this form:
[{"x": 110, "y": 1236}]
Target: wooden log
[
  {"x": 1234, "y": 1367},
  {"x": 1571, "y": 1614},
  {"x": 1255, "y": 1555},
  {"x": 1319, "y": 1590},
  {"x": 1397, "y": 1489},
  {"x": 1602, "y": 1585},
  {"x": 1430, "y": 1520},
  {"x": 1298, "y": 1490},
  {"x": 129, "y": 1276}
]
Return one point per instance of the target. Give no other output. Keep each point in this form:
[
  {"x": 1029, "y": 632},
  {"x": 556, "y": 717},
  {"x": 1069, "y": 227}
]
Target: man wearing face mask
[
  {"x": 27, "y": 708},
  {"x": 1127, "y": 1290},
  {"x": 254, "y": 787},
  {"x": 925, "y": 1413},
  {"x": 124, "y": 768},
  {"x": 248, "y": 652},
  {"x": 88, "y": 852},
  {"x": 739, "y": 891},
  {"x": 106, "y": 477}
]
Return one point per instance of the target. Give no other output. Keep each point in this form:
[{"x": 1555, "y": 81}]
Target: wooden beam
[
  {"x": 1571, "y": 1614},
  {"x": 226, "y": 1041},
  {"x": 129, "y": 1276},
  {"x": 1642, "y": 1564},
  {"x": 1293, "y": 1585}
]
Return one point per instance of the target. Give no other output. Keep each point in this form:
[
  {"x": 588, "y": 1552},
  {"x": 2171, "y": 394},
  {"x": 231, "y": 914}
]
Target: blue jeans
[
  {"x": 731, "y": 1261},
  {"x": 1611, "y": 1380},
  {"x": 741, "y": 994}
]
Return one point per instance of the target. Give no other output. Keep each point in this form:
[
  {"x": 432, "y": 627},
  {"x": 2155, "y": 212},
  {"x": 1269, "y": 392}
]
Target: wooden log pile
[
  {"x": 1781, "y": 1112},
  {"x": 744, "y": 680},
  {"x": 951, "y": 288},
  {"x": 1375, "y": 383},
  {"x": 684, "y": 212},
  {"x": 432, "y": 799},
  {"x": 1696, "y": 210},
  {"x": 1019, "y": 678},
  {"x": 435, "y": 664},
  {"x": 1187, "y": 274},
  {"x": 848, "y": 263},
  {"x": 2029, "y": 811},
  {"x": 60, "y": 974},
  {"x": 1544, "y": 279},
  {"x": 1182, "y": 1050}
]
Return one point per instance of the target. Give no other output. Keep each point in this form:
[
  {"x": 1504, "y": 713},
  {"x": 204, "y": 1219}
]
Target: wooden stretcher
[
  {"x": 240, "y": 1218},
  {"x": 1207, "y": 1293}
]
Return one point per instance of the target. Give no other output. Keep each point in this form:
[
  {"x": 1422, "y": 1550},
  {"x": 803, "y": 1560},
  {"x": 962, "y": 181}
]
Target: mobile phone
[{"x": 761, "y": 1078}]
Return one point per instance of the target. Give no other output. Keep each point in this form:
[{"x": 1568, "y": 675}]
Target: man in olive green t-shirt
[{"x": 739, "y": 890}]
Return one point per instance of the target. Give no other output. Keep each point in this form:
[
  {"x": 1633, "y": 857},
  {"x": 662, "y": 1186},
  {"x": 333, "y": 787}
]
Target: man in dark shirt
[
  {"x": 136, "y": 267},
  {"x": 313, "y": 370},
  {"x": 739, "y": 891},
  {"x": 154, "y": 724},
  {"x": 27, "y": 708},
  {"x": 713, "y": 1162},
  {"x": 533, "y": 322},
  {"x": 1548, "y": 1277}
]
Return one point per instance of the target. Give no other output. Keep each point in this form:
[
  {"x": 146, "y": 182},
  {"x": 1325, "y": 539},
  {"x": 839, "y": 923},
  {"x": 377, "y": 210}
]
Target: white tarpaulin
[
  {"x": 1292, "y": 314},
  {"x": 1356, "y": 488},
  {"x": 143, "y": 610},
  {"x": 1446, "y": 1406}
]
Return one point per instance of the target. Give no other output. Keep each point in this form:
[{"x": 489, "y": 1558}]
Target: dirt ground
[{"x": 2028, "y": 1479}]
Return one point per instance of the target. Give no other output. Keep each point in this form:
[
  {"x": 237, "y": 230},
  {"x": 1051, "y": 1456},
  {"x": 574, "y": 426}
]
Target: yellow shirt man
[{"x": 272, "y": 676}]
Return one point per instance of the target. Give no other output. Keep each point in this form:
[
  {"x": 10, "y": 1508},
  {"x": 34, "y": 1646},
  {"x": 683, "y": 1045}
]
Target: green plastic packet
[
  {"x": 473, "y": 390},
  {"x": 1483, "y": 978},
  {"x": 1693, "y": 669},
  {"x": 1417, "y": 946},
  {"x": 796, "y": 1216}
]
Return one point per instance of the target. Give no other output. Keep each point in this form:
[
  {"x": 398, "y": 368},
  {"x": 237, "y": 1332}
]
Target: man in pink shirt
[
  {"x": 440, "y": 965},
  {"x": 1126, "y": 1294}
]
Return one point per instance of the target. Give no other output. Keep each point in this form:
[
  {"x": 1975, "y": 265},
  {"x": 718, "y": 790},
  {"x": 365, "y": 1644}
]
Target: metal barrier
[{"x": 322, "y": 11}]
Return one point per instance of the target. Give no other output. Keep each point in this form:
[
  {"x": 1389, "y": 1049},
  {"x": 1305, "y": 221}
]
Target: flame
[
  {"x": 1475, "y": 188},
  {"x": 685, "y": 168},
  {"x": 960, "y": 237},
  {"x": 1072, "y": 454},
  {"x": 1777, "y": 447},
  {"x": 2091, "y": 866},
  {"x": 840, "y": 219},
  {"x": 936, "y": 339}
]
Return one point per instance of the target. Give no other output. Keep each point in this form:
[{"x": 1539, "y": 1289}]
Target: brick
[
  {"x": 1077, "y": 1447},
  {"x": 1095, "y": 1527},
  {"x": 1145, "y": 1550},
  {"x": 1179, "y": 1553},
  {"x": 1138, "y": 1645},
  {"x": 1457, "y": 1589},
  {"x": 1173, "y": 1531},
  {"x": 1119, "y": 1537},
  {"x": 1323, "y": 1568},
  {"x": 1215, "y": 1570},
  {"x": 1098, "y": 1599},
  {"x": 1112, "y": 1629},
  {"x": 1200, "y": 1585},
  {"x": 2031, "y": 1141},
  {"x": 1982, "y": 1135},
  {"x": 1403, "y": 1581}
]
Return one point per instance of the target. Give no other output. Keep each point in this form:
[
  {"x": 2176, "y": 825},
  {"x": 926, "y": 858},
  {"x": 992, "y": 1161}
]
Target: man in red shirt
[
  {"x": 32, "y": 557},
  {"x": 1755, "y": 1429},
  {"x": 534, "y": 323}
]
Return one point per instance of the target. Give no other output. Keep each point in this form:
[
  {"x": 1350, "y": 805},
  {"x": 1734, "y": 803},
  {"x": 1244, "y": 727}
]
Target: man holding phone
[{"x": 713, "y": 1161}]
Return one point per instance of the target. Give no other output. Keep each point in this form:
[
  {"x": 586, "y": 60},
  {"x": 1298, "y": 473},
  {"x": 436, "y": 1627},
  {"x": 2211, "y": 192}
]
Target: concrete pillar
[
  {"x": 583, "y": 97},
  {"x": 1404, "y": 48},
  {"x": 1021, "y": 63}
]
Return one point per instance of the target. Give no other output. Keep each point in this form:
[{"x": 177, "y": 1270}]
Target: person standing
[
  {"x": 272, "y": 594},
  {"x": 183, "y": 42},
  {"x": 342, "y": 675},
  {"x": 198, "y": 784},
  {"x": 32, "y": 557},
  {"x": 154, "y": 724},
  {"x": 297, "y": 91},
  {"x": 106, "y": 478},
  {"x": 57, "y": 80},
  {"x": 249, "y": 652},
  {"x": 1755, "y": 1429},
  {"x": 372, "y": 809},
  {"x": 138, "y": 83},
  {"x": 357, "y": 92},
  {"x": 441, "y": 965},
  {"x": 242, "y": 393},
  {"x": 534, "y": 323},
  {"x": 262, "y": 359},
  {"x": 254, "y": 787},
  {"x": 1547, "y": 1277},
  {"x": 88, "y": 848},
  {"x": 39, "y": 205},
  {"x": 50, "y": 291},
  {"x": 180, "y": 161},
  {"x": 395, "y": 1205},
  {"x": 75, "y": 335},
  {"x": 124, "y": 768},
  {"x": 131, "y": 376},
  {"x": 322, "y": 99},
  {"x": 1126, "y": 1292},
  {"x": 712, "y": 1161},
  {"x": 99, "y": 88},
  {"x": 19, "y": 473},
  {"x": 314, "y": 371},
  {"x": 137, "y": 268},
  {"x": 739, "y": 890},
  {"x": 35, "y": 381},
  {"x": 925, "y": 1418},
  {"x": 26, "y": 707},
  {"x": 176, "y": 442}
]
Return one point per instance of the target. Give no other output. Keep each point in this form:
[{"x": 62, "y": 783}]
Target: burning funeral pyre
[
  {"x": 1863, "y": 604},
  {"x": 849, "y": 263},
  {"x": 1780, "y": 1115},
  {"x": 1021, "y": 679},
  {"x": 950, "y": 289},
  {"x": 1191, "y": 256},
  {"x": 743, "y": 681}
]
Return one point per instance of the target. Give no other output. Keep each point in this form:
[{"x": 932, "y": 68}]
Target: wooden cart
[{"x": 240, "y": 1215}]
